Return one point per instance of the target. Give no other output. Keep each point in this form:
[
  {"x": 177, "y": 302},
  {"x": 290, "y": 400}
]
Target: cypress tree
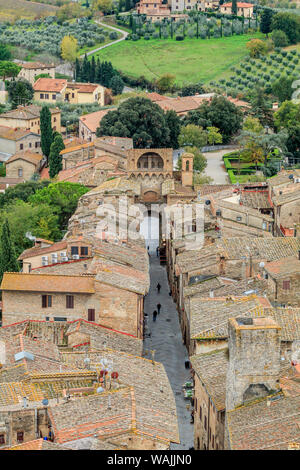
[
  {"x": 234, "y": 7},
  {"x": 266, "y": 21},
  {"x": 8, "y": 259},
  {"x": 98, "y": 71},
  {"x": 85, "y": 69},
  {"x": 55, "y": 163},
  {"x": 92, "y": 70},
  {"x": 77, "y": 70},
  {"x": 46, "y": 130}
]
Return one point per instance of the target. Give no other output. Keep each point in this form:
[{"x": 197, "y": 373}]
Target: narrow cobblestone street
[{"x": 166, "y": 340}]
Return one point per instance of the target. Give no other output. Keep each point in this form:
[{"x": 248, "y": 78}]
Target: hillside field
[
  {"x": 10, "y": 9},
  {"x": 191, "y": 60}
]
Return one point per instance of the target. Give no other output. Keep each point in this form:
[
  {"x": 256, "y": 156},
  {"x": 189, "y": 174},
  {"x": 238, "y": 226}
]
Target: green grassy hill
[{"x": 191, "y": 60}]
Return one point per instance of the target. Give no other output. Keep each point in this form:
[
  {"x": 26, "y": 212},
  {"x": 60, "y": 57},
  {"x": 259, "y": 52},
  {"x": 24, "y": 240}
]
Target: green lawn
[{"x": 191, "y": 60}]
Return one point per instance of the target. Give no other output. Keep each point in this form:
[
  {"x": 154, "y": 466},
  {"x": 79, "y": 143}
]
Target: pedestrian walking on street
[
  {"x": 154, "y": 315},
  {"x": 158, "y": 287},
  {"x": 157, "y": 251},
  {"x": 158, "y": 308}
]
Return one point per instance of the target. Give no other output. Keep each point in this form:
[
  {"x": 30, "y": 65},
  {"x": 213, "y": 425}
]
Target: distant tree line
[{"x": 94, "y": 71}]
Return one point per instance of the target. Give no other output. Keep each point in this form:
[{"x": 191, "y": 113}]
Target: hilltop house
[
  {"x": 51, "y": 90},
  {"x": 28, "y": 117},
  {"x": 243, "y": 9},
  {"x": 30, "y": 70}
]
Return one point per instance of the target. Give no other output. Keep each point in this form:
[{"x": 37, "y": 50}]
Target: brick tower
[{"x": 187, "y": 169}]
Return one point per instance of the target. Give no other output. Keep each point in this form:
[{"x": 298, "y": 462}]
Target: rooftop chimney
[{"x": 254, "y": 359}]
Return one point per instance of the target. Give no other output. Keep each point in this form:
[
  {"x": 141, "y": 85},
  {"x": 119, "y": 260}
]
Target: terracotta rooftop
[
  {"x": 39, "y": 251},
  {"x": 243, "y": 209},
  {"x": 258, "y": 426},
  {"x": 13, "y": 134},
  {"x": 84, "y": 87},
  {"x": 256, "y": 199},
  {"x": 38, "y": 444},
  {"x": 222, "y": 287},
  {"x": 211, "y": 368},
  {"x": 72, "y": 148},
  {"x": 100, "y": 337},
  {"x": 268, "y": 249},
  {"x": 27, "y": 155},
  {"x": 27, "y": 112},
  {"x": 47, "y": 283},
  {"x": 55, "y": 85},
  {"x": 92, "y": 120},
  {"x": 36, "y": 65},
  {"x": 209, "y": 316},
  {"x": 124, "y": 277},
  {"x": 153, "y": 416},
  {"x": 283, "y": 267}
]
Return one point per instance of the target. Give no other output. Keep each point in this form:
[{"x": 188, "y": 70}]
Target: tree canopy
[
  {"x": 69, "y": 46},
  {"x": 8, "y": 69},
  {"x": 8, "y": 259},
  {"x": 20, "y": 92},
  {"x": 138, "y": 118},
  {"x": 289, "y": 23},
  {"x": 62, "y": 197},
  {"x": 282, "y": 88},
  {"x": 220, "y": 113}
]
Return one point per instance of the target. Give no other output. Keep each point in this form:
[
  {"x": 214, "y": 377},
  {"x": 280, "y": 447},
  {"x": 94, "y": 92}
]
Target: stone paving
[{"x": 166, "y": 340}]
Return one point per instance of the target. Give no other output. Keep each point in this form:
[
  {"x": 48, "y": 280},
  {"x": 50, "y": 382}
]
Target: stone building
[
  {"x": 236, "y": 258},
  {"x": 284, "y": 194},
  {"x": 104, "y": 298},
  {"x": 254, "y": 359},
  {"x": 283, "y": 278},
  {"x": 23, "y": 164},
  {"x": 262, "y": 396},
  {"x": 30, "y": 70},
  {"x": 150, "y": 167},
  {"x": 74, "y": 155},
  {"x": 88, "y": 124},
  {"x": 253, "y": 375},
  {"x": 243, "y": 9},
  {"x": 17, "y": 140},
  {"x": 209, "y": 399},
  {"x": 28, "y": 117}
]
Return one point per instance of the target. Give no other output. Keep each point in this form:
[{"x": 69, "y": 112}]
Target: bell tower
[{"x": 187, "y": 160}]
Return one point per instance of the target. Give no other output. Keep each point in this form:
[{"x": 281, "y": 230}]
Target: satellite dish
[
  {"x": 207, "y": 202},
  {"x": 261, "y": 264},
  {"x": 100, "y": 389},
  {"x": 291, "y": 177},
  {"x": 45, "y": 401}
]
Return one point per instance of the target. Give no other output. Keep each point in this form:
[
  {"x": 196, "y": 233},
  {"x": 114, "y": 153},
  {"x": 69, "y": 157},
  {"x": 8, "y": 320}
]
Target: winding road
[{"x": 124, "y": 35}]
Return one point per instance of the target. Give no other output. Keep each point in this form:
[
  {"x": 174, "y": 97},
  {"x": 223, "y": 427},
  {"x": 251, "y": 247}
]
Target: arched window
[{"x": 187, "y": 165}]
